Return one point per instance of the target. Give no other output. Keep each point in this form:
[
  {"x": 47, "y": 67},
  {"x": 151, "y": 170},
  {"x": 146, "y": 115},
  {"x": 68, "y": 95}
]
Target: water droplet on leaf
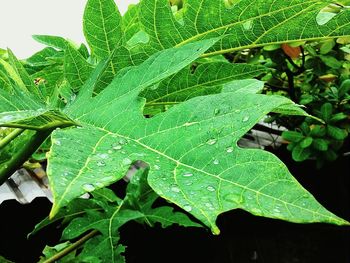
[
  {"x": 103, "y": 155},
  {"x": 188, "y": 208},
  {"x": 101, "y": 163},
  {"x": 245, "y": 119},
  {"x": 187, "y": 174},
  {"x": 216, "y": 161},
  {"x": 123, "y": 141},
  {"x": 116, "y": 147},
  {"x": 210, "y": 188},
  {"x": 175, "y": 189},
  {"x": 211, "y": 141},
  {"x": 88, "y": 187},
  {"x": 229, "y": 149},
  {"x": 127, "y": 161}
]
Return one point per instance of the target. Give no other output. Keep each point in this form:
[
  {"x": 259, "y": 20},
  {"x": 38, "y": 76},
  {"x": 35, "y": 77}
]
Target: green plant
[
  {"x": 94, "y": 108},
  {"x": 315, "y": 76}
]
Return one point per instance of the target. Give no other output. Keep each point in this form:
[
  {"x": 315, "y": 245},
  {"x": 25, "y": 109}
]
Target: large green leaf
[
  {"x": 191, "y": 149},
  {"x": 244, "y": 24}
]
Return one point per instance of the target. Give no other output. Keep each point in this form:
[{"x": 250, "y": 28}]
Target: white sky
[{"x": 20, "y": 19}]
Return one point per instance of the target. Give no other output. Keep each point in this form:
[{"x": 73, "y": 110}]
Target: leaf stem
[
  {"x": 14, "y": 134},
  {"x": 72, "y": 247},
  {"x": 22, "y": 155}
]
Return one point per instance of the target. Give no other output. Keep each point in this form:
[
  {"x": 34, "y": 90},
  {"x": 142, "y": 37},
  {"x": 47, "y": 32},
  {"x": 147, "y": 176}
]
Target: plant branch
[
  {"x": 22, "y": 155},
  {"x": 72, "y": 247},
  {"x": 14, "y": 134}
]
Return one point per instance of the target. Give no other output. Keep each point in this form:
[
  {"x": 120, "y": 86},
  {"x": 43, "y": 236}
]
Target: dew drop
[
  {"x": 188, "y": 208},
  {"x": 88, "y": 187},
  {"x": 57, "y": 142},
  {"x": 99, "y": 185},
  {"x": 211, "y": 141},
  {"x": 245, "y": 119},
  {"x": 116, "y": 147},
  {"x": 248, "y": 25},
  {"x": 101, "y": 163},
  {"x": 127, "y": 161},
  {"x": 216, "y": 161},
  {"x": 216, "y": 111},
  {"x": 229, "y": 149},
  {"x": 156, "y": 167},
  {"x": 103, "y": 155},
  {"x": 276, "y": 210},
  {"x": 210, "y": 188},
  {"x": 187, "y": 124},
  {"x": 187, "y": 174},
  {"x": 123, "y": 141},
  {"x": 175, "y": 189}
]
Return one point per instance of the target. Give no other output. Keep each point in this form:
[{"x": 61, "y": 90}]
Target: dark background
[{"x": 243, "y": 238}]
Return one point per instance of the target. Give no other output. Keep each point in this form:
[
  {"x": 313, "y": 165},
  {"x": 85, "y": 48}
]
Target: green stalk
[
  {"x": 22, "y": 155},
  {"x": 72, "y": 247},
  {"x": 14, "y": 134}
]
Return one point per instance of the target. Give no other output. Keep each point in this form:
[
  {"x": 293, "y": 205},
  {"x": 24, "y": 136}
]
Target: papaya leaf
[
  {"x": 76, "y": 69},
  {"x": 191, "y": 149},
  {"x": 244, "y": 24},
  {"x": 102, "y": 27},
  {"x": 207, "y": 78}
]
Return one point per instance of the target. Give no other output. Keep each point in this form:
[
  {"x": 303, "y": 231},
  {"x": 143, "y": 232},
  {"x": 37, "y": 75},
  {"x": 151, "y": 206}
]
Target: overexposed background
[{"x": 20, "y": 19}]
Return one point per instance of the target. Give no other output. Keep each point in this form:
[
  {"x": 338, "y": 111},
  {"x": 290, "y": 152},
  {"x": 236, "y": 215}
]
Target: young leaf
[
  {"x": 306, "y": 142},
  {"x": 326, "y": 111},
  {"x": 300, "y": 154},
  {"x": 336, "y": 133},
  {"x": 320, "y": 144},
  {"x": 51, "y": 41},
  {"x": 102, "y": 27},
  {"x": 76, "y": 69},
  {"x": 292, "y": 136}
]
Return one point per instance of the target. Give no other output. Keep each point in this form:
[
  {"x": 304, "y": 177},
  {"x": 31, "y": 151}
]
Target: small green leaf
[
  {"x": 331, "y": 62},
  {"x": 344, "y": 88},
  {"x": 291, "y": 146},
  {"x": 330, "y": 155},
  {"x": 305, "y": 128},
  {"x": 306, "y": 99},
  {"x": 52, "y": 41},
  {"x": 338, "y": 117},
  {"x": 336, "y": 133},
  {"x": 318, "y": 131},
  {"x": 76, "y": 69},
  {"x": 326, "y": 111},
  {"x": 292, "y": 136},
  {"x": 327, "y": 46},
  {"x": 306, "y": 142},
  {"x": 320, "y": 144},
  {"x": 300, "y": 154}
]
